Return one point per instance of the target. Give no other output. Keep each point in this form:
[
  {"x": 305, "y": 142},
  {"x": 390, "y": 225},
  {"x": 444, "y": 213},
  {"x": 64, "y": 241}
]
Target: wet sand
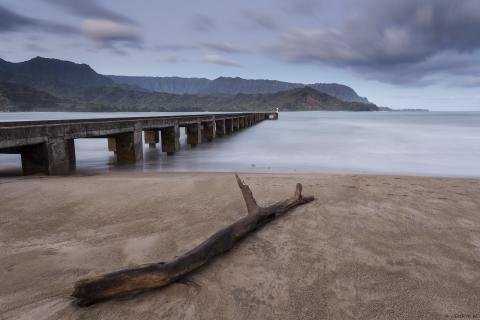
[{"x": 381, "y": 247}]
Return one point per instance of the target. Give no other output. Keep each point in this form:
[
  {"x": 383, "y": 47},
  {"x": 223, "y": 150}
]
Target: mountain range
[
  {"x": 43, "y": 84},
  {"x": 232, "y": 86}
]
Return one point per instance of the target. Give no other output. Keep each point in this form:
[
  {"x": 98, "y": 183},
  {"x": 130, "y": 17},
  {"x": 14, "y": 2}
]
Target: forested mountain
[
  {"x": 232, "y": 86},
  {"x": 42, "y": 84}
]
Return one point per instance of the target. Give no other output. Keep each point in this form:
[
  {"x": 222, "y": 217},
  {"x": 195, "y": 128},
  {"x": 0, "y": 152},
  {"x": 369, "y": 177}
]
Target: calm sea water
[{"x": 411, "y": 143}]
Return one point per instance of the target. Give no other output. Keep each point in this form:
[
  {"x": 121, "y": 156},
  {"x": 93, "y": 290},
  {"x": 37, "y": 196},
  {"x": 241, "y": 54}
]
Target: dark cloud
[
  {"x": 202, "y": 23},
  {"x": 90, "y": 9},
  {"x": 175, "y": 47},
  {"x": 171, "y": 58},
  {"x": 426, "y": 72},
  {"x": 302, "y": 7},
  {"x": 261, "y": 20},
  {"x": 11, "y": 21},
  {"x": 34, "y": 48},
  {"x": 223, "y": 47},
  {"x": 403, "y": 40}
]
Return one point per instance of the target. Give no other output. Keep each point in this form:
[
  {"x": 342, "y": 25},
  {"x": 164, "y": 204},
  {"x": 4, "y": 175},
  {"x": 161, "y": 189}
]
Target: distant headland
[{"x": 403, "y": 110}]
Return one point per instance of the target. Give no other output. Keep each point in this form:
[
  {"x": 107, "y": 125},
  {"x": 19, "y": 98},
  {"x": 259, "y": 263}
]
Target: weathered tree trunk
[{"x": 131, "y": 281}]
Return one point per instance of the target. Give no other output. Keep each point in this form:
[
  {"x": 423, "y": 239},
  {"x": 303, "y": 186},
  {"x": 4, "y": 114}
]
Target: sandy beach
[{"x": 383, "y": 247}]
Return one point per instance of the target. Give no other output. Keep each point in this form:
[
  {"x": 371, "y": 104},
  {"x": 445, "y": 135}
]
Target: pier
[{"x": 49, "y": 146}]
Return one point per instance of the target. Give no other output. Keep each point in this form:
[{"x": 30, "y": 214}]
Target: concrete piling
[
  {"x": 71, "y": 153},
  {"x": 194, "y": 133},
  {"x": 242, "y": 123},
  {"x": 220, "y": 129},
  {"x": 170, "y": 139},
  {"x": 228, "y": 126},
  {"x": 129, "y": 147},
  {"x": 151, "y": 138},
  {"x": 209, "y": 131},
  {"x": 112, "y": 145},
  {"x": 56, "y": 156},
  {"x": 236, "y": 124}
]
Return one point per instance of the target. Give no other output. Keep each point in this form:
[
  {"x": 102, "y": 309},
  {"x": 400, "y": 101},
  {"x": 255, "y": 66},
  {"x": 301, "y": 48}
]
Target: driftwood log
[{"x": 131, "y": 281}]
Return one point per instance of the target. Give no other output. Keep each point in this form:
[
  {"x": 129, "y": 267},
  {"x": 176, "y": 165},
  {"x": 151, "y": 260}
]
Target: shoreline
[
  {"x": 368, "y": 246},
  {"x": 118, "y": 170}
]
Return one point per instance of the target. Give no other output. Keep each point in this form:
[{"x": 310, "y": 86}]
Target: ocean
[{"x": 403, "y": 143}]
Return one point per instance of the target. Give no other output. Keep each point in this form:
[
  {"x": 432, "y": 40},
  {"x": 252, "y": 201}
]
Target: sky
[{"x": 400, "y": 54}]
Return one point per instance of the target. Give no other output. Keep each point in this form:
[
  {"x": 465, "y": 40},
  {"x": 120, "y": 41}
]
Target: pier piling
[
  {"x": 129, "y": 147},
  {"x": 194, "y": 133},
  {"x": 208, "y": 131},
  {"x": 170, "y": 139},
  {"x": 220, "y": 129},
  {"x": 228, "y": 126},
  {"x": 151, "y": 138}
]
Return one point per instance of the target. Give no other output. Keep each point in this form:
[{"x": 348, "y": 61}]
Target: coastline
[{"x": 368, "y": 246}]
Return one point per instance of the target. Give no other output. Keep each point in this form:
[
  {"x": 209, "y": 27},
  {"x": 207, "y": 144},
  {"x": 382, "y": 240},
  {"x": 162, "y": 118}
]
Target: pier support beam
[
  {"x": 71, "y": 153},
  {"x": 228, "y": 126},
  {"x": 54, "y": 157},
  {"x": 209, "y": 131},
  {"x": 58, "y": 156},
  {"x": 151, "y": 138},
  {"x": 170, "y": 139},
  {"x": 129, "y": 147},
  {"x": 194, "y": 133},
  {"x": 242, "y": 123},
  {"x": 236, "y": 124},
  {"x": 220, "y": 129},
  {"x": 112, "y": 144}
]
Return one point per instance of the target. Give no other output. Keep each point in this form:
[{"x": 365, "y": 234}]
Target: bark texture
[{"x": 131, "y": 281}]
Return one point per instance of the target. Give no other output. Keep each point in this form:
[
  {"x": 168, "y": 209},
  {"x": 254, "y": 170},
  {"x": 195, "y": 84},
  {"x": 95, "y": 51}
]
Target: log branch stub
[
  {"x": 131, "y": 281},
  {"x": 247, "y": 196}
]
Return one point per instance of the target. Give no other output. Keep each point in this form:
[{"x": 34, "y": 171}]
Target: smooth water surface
[{"x": 412, "y": 143}]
